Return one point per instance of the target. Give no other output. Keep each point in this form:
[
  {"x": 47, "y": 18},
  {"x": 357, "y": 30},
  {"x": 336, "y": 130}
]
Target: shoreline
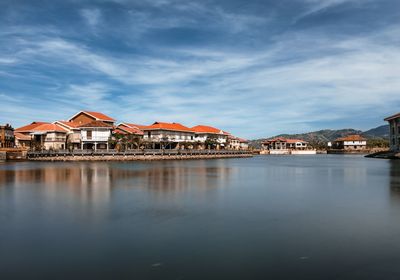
[{"x": 135, "y": 155}]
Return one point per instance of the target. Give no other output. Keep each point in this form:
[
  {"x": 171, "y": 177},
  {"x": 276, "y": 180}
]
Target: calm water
[{"x": 316, "y": 217}]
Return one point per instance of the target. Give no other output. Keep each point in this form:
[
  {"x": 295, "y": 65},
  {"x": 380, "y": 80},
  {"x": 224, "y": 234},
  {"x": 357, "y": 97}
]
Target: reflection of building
[
  {"x": 6, "y": 136},
  {"x": 395, "y": 176},
  {"x": 350, "y": 143},
  {"x": 394, "y": 126}
]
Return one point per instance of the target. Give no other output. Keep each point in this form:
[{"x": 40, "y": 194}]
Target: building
[
  {"x": 281, "y": 143},
  {"x": 214, "y": 136},
  {"x": 23, "y": 135},
  {"x": 350, "y": 143},
  {"x": 6, "y": 136},
  {"x": 73, "y": 134},
  {"x": 84, "y": 117},
  {"x": 49, "y": 136},
  {"x": 394, "y": 126},
  {"x": 234, "y": 143},
  {"x": 95, "y": 135},
  {"x": 282, "y": 146},
  {"x": 244, "y": 144},
  {"x": 169, "y": 135},
  {"x": 130, "y": 129},
  {"x": 22, "y": 140}
]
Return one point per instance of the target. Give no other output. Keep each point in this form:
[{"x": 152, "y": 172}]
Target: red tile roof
[
  {"x": 22, "y": 137},
  {"x": 29, "y": 127},
  {"x": 70, "y": 125},
  {"x": 207, "y": 129},
  {"x": 96, "y": 124},
  {"x": 168, "y": 126},
  {"x": 97, "y": 115},
  {"x": 130, "y": 130},
  {"x": 395, "y": 116},
  {"x": 351, "y": 138},
  {"x": 49, "y": 127},
  {"x": 140, "y": 126}
]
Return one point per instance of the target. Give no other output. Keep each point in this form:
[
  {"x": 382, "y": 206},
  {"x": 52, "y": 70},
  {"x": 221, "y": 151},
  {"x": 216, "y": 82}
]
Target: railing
[{"x": 55, "y": 153}]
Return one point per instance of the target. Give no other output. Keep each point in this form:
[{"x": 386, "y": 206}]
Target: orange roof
[
  {"x": 23, "y": 137},
  {"x": 168, "y": 126},
  {"x": 351, "y": 138},
  {"x": 207, "y": 129},
  {"x": 395, "y": 116},
  {"x": 139, "y": 126},
  {"x": 243, "y": 140},
  {"x": 96, "y": 115},
  {"x": 70, "y": 125},
  {"x": 131, "y": 130},
  {"x": 49, "y": 127},
  {"x": 29, "y": 127},
  {"x": 96, "y": 124}
]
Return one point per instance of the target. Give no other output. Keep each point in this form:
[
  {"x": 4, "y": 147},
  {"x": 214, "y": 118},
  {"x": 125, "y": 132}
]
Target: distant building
[
  {"x": 6, "y": 136},
  {"x": 394, "y": 124},
  {"x": 282, "y": 146},
  {"x": 23, "y": 135},
  {"x": 350, "y": 143}
]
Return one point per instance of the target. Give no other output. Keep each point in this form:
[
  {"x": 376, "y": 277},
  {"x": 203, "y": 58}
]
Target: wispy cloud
[{"x": 252, "y": 73}]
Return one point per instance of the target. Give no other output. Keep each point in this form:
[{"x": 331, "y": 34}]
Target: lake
[{"x": 267, "y": 217}]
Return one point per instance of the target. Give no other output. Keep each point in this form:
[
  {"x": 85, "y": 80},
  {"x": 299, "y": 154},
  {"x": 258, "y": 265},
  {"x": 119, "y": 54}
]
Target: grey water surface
[{"x": 267, "y": 217}]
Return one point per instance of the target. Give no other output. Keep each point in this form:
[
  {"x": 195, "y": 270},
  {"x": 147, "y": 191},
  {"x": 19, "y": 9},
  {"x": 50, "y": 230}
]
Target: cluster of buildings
[
  {"x": 97, "y": 131},
  {"x": 280, "y": 145}
]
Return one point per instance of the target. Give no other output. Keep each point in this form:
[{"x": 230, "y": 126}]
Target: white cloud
[{"x": 91, "y": 16}]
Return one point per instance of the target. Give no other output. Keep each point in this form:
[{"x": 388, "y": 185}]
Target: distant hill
[
  {"x": 378, "y": 132},
  {"x": 321, "y": 137}
]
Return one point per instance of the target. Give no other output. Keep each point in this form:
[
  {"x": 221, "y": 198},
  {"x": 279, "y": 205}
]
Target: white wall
[{"x": 98, "y": 134}]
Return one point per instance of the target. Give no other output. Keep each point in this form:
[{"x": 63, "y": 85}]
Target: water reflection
[
  {"x": 95, "y": 181},
  {"x": 395, "y": 178}
]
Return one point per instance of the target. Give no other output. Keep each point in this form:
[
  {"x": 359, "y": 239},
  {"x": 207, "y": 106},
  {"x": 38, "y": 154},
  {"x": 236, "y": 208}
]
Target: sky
[{"x": 253, "y": 68}]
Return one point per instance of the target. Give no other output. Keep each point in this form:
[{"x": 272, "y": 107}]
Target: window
[
  {"x": 191, "y": 137},
  {"x": 89, "y": 134},
  {"x": 149, "y": 134}
]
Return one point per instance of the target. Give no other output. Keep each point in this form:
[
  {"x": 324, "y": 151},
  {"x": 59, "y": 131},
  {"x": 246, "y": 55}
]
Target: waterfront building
[
  {"x": 22, "y": 140},
  {"x": 49, "y": 136},
  {"x": 350, "y": 143},
  {"x": 244, "y": 144},
  {"x": 95, "y": 135},
  {"x": 23, "y": 134},
  {"x": 234, "y": 143},
  {"x": 283, "y": 145},
  {"x": 205, "y": 134},
  {"x": 73, "y": 134},
  {"x": 84, "y": 117},
  {"x": 394, "y": 126},
  {"x": 169, "y": 135},
  {"x": 6, "y": 136},
  {"x": 130, "y": 129}
]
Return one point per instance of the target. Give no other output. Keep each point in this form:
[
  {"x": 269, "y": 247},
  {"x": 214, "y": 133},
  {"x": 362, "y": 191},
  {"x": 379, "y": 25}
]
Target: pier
[{"x": 132, "y": 155}]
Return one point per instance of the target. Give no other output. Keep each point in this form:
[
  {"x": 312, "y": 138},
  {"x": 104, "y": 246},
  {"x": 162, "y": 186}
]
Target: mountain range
[{"x": 326, "y": 135}]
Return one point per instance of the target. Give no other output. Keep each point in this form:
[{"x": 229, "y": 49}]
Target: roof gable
[{"x": 94, "y": 115}]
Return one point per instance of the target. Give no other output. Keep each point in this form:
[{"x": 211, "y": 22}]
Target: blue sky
[{"x": 255, "y": 68}]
